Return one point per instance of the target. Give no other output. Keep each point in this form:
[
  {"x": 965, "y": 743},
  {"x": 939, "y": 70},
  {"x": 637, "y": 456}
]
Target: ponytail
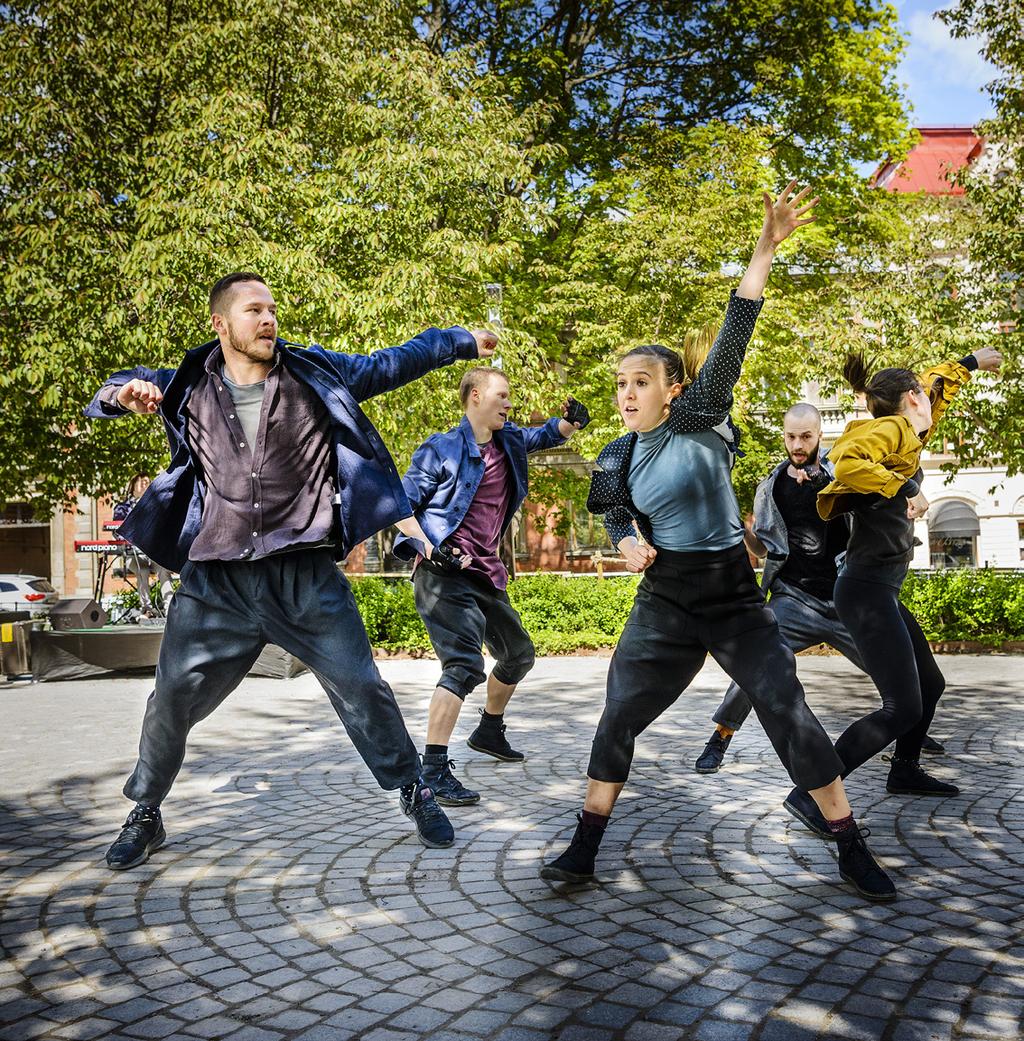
[{"x": 882, "y": 392}]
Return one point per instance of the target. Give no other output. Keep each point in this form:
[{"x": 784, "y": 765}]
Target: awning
[{"x": 953, "y": 520}]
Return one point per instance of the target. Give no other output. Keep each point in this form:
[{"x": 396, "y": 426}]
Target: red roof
[{"x": 940, "y": 152}]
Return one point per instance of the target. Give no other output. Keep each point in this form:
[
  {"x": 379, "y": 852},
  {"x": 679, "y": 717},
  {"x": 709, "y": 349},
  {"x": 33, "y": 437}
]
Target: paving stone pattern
[{"x": 293, "y": 902}]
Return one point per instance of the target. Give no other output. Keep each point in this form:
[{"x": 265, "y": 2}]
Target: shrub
[{"x": 569, "y": 614}]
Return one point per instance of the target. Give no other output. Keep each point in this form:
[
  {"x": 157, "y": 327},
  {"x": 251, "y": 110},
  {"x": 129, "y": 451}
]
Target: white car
[{"x": 26, "y": 593}]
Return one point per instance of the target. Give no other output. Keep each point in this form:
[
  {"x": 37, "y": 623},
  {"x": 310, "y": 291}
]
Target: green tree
[
  {"x": 152, "y": 150},
  {"x": 993, "y": 426}
]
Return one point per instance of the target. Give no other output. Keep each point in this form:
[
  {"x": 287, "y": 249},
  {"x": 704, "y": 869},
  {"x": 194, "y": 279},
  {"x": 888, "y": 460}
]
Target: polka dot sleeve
[{"x": 708, "y": 400}]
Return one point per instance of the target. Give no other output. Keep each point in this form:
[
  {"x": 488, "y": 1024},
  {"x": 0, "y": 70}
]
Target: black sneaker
[
  {"x": 710, "y": 760},
  {"x": 489, "y": 738},
  {"x": 907, "y": 778},
  {"x": 931, "y": 746},
  {"x": 576, "y": 864},
  {"x": 142, "y": 834},
  {"x": 858, "y": 867},
  {"x": 447, "y": 788},
  {"x": 432, "y": 826},
  {"x": 805, "y": 809}
]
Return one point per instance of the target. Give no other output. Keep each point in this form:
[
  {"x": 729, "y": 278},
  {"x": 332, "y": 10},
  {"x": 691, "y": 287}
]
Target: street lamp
[{"x": 492, "y": 291}]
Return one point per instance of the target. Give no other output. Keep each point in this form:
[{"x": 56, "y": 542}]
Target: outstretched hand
[
  {"x": 140, "y": 396},
  {"x": 486, "y": 343},
  {"x": 783, "y": 216}
]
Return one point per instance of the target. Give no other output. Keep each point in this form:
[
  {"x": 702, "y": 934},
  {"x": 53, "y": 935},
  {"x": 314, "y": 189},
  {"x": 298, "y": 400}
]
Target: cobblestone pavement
[{"x": 292, "y": 900}]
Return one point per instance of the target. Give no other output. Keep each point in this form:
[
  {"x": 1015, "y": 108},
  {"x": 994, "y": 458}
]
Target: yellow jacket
[{"x": 880, "y": 455}]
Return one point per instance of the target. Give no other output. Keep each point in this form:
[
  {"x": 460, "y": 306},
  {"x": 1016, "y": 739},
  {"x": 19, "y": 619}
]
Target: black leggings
[{"x": 897, "y": 657}]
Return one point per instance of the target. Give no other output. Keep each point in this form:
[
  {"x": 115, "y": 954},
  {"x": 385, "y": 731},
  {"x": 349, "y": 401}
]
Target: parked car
[{"x": 26, "y": 593}]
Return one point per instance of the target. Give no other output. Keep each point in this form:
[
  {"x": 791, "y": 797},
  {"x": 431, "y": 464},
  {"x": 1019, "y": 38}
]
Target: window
[
  {"x": 952, "y": 552},
  {"x": 1020, "y": 538},
  {"x": 953, "y": 531},
  {"x": 7, "y": 587},
  {"x": 586, "y": 532}
]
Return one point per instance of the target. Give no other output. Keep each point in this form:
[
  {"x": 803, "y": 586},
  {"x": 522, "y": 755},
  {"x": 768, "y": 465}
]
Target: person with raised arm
[
  {"x": 668, "y": 482},
  {"x": 465, "y": 486},
  {"x": 877, "y": 481},
  {"x": 275, "y": 473}
]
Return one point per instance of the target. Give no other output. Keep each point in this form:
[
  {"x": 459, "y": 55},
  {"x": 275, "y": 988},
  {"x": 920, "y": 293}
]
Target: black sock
[
  {"x": 408, "y": 790},
  {"x": 594, "y": 820},
  {"x": 436, "y": 750},
  {"x": 488, "y": 717}
]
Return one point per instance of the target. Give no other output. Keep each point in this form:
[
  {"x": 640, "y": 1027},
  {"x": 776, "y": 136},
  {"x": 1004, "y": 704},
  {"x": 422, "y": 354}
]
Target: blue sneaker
[
  {"x": 447, "y": 788},
  {"x": 420, "y": 806}
]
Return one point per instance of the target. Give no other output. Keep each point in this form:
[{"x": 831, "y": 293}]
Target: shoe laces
[
  {"x": 425, "y": 806},
  {"x": 137, "y": 820},
  {"x": 584, "y": 836}
]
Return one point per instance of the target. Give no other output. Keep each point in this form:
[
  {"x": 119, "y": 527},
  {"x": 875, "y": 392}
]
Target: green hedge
[
  {"x": 568, "y": 614},
  {"x": 968, "y": 604}
]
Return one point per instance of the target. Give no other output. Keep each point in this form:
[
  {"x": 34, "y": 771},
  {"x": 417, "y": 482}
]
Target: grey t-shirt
[
  {"x": 248, "y": 401},
  {"x": 682, "y": 483}
]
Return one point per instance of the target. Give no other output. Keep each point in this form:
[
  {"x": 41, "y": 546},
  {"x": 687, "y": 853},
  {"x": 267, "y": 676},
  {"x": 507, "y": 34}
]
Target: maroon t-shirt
[{"x": 480, "y": 529}]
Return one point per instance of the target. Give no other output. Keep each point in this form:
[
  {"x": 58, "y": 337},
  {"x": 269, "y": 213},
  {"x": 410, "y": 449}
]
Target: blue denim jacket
[
  {"x": 370, "y": 496},
  {"x": 446, "y": 471}
]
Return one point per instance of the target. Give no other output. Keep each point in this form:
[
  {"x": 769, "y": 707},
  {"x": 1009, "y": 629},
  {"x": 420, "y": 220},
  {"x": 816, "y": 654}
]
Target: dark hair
[
  {"x": 477, "y": 377},
  {"x": 223, "y": 285},
  {"x": 675, "y": 371},
  {"x": 884, "y": 391}
]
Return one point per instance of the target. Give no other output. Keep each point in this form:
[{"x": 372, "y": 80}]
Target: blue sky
[{"x": 943, "y": 77}]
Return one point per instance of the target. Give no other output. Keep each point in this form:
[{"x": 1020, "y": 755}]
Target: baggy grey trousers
[{"x": 222, "y": 616}]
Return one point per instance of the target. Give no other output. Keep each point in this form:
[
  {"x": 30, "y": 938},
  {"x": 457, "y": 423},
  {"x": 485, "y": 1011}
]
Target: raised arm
[
  {"x": 369, "y": 374},
  {"x": 708, "y": 400},
  {"x": 946, "y": 379},
  {"x": 138, "y": 390}
]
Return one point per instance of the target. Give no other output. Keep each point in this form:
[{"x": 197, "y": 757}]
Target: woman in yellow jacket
[{"x": 878, "y": 480}]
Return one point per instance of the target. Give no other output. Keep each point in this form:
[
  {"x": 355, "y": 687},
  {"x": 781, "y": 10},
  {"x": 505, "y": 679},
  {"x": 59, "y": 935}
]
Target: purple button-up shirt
[{"x": 267, "y": 497}]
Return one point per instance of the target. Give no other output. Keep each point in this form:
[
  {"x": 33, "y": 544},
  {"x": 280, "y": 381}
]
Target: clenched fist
[
  {"x": 486, "y": 343},
  {"x": 638, "y": 557},
  {"x": 989, "y": 359},
  {"x": 917, "y": 506},
  {"x": 140, "y": 396}
]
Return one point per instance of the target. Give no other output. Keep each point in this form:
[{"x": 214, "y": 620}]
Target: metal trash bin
[{"x": 15, "y": 648}]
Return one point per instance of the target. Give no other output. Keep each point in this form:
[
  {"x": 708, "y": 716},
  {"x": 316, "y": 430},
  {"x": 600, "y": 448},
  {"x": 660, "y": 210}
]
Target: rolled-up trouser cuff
[
  {"x": 460, "y": 681},
  {"x": 512, "y": 672},
  {"x": 733, "y": 711}
]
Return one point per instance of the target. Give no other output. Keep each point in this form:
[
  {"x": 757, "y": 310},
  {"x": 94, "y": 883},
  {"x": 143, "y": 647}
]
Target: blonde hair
[
  {"x": 697, "y": 344},
  {"x": 477, "y": 377}
]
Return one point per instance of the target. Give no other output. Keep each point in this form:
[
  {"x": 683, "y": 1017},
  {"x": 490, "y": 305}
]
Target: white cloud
[{"x": 935, "y": 53}]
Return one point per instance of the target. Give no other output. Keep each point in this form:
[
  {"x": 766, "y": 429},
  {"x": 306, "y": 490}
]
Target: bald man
[{"x": 800, "y": 567}]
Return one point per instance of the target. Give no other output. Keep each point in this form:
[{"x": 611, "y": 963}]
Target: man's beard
[
  {"x": 812, "y": 458},
  {"x": 254, "y": 350}
]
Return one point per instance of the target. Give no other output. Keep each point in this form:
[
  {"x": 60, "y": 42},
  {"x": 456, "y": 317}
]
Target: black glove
[
  {"x": 445, "y": 559},
  {"x": 577, "y": 413}
]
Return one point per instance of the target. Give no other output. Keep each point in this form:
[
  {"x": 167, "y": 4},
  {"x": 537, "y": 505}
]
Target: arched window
[{"x": 953, "y": 531}]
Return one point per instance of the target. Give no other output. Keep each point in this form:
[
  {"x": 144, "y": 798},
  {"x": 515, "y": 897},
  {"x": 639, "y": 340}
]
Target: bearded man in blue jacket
[{"x": 275, "y": 474}]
